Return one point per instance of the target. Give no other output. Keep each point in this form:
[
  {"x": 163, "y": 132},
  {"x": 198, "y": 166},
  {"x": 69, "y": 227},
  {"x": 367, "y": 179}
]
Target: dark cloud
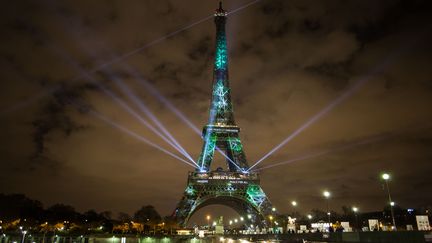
[
  {"x": 54, "y": 117},
  {"x": 202, "y": 49}
]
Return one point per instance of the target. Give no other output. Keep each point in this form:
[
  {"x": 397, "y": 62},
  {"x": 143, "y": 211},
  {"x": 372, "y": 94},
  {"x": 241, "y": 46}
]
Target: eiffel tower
[{"x": 236, "y": 188}]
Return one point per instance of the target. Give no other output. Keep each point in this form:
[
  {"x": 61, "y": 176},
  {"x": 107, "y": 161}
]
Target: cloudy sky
[{"x": 363, "y": 66}]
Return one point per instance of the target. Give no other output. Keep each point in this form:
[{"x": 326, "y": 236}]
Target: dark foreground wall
[
  {"x": 359, "y": 237},
  {"x": 354, "y": 237}
]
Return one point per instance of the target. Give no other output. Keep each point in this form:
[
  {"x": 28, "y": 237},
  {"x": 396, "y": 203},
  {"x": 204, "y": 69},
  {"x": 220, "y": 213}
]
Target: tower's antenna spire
[{"x": 220, "y": 11}]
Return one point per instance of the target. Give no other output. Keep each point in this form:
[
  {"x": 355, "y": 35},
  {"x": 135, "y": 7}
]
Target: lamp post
[
  {"x": 310, "y": 219},
  {"x": 355, "y": 210},
  {"x": 271, "y": 222},
  {"x": 386, "y": 177},
  {"x": 24, "y": 233},
  {"x": 208, "y": 221},
  {"x": 327, "y": 194}
]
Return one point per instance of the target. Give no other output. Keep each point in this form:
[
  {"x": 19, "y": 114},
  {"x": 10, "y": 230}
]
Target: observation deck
[{"x": 223, "y": 177}]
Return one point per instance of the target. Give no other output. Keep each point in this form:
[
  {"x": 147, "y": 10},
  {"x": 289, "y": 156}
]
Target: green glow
[
  {"x": 209, "y": 147},
  {"x": 221, "y": 57},
  {"x": 255, "y": 195},
  {"x": 235, "y": 144},
  {"x": 221, "y": 94},
  {"x": 190, "y": 191},
  {"x": 149, "y": 239}
]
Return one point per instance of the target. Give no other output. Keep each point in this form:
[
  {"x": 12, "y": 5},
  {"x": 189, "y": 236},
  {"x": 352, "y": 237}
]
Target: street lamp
[
  {"x": 294, "y": 203},
  {"x": 208, "y": 221},
  {"x": 355, "y": 210},
  {"x": 271, "y": 222},
  {"x": 23, "y": 238},
  {"x": 327, "y": 194},
  {"x": 309, "y": 216},
  {"x": 386, "y": 177}
]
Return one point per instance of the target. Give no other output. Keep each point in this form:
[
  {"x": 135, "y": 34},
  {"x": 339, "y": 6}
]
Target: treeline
[{"x": 18, "y": 212}]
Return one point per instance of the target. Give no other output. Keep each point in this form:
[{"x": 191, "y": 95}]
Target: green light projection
[
  {"x": 190, "y": 190},
  {"x": 255, "y": 195},
  {"x": 235, "y": 144},
  {"x": 207, "y": 154},
  {"x": 221, "y": 93},
  {"x": 221, "y": 57}
]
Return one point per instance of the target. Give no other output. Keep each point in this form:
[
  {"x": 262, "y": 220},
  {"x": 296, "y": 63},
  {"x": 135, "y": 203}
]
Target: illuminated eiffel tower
[{"x": 236, "y": 188}]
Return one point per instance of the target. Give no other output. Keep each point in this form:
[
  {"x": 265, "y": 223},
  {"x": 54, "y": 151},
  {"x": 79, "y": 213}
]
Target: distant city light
[
  {"x": 385, "y": 176},
  {"x": 326, "y": 194},
  {"x": 294, "y": 203}
]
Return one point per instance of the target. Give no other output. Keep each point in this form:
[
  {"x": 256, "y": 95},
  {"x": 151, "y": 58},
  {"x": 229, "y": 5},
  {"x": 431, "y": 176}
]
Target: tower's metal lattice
[{"x": 236, "y": 188}]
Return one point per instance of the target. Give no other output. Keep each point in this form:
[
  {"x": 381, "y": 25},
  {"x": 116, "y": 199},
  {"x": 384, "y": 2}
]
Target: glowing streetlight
[
  {"x": 355, "y": 210},
  {"x": 23, "y": 238},
  {"x": 294, "y": 203},
  {"x": 274, "y": 209},
  {"x": 309, "y": 216},
  {"x": 271, "y": 221},
  {"x": 235, "y": 220},
  {"x": 208, "y": 221},
  {"x": 327, "y": 194},
  {"x": 249, "y": 216},
  {"x": 241, "y": 218},
  {"x": 386, "y": 178}
]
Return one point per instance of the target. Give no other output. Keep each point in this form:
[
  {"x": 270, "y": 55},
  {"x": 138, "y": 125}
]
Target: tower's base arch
[{"x": 241, "y": 192}]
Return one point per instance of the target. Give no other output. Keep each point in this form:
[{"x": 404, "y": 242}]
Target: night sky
[{"x": 367, "y": 63}]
